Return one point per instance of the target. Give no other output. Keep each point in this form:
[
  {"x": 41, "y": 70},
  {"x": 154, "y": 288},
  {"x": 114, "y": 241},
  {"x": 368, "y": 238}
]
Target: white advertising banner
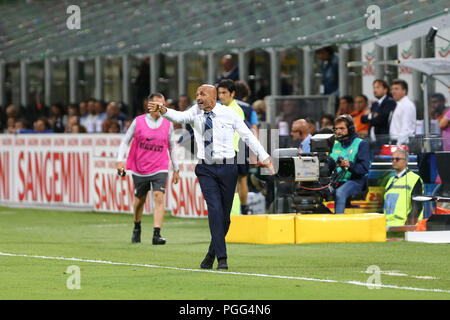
[{"x": 78, "y": 171}]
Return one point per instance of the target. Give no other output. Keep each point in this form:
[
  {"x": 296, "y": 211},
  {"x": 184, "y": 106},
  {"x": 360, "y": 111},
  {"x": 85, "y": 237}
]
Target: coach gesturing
[{"x": 214, "y": 126}]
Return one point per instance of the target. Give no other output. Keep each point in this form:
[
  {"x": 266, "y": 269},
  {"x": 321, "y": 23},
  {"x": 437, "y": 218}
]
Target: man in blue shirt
[{"x": 300, "y": 132}]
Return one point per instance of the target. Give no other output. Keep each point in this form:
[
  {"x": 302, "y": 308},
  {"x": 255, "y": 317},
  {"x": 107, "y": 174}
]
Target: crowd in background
[{"x": 390, "y": 119}]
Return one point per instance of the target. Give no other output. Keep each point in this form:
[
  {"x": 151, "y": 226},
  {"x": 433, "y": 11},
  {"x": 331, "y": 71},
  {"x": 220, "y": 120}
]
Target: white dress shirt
[
  {"x": 403, "y": 123},
  {"x": 225, "y": 121}
]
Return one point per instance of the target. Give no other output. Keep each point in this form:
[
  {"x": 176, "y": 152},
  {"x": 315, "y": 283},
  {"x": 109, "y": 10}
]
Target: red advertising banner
[{"x": 79, "y": 171}]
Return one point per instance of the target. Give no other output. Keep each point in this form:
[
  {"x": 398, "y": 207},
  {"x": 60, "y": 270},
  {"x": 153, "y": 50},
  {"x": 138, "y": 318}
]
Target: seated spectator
[
  {"x": 58, "y": 119},
  {"x": 114, "y": 127},
  {"x": 327, "y": 121},
  {"x": 77, "y": 128},
  {"x": 72, "y": 110},
  {"x": 260, "y": 109},
  {"x": 184, "y": 102},
  {"x": 105, "y": 125},
  {"x": 73, "y": 120},
  {"x": 83, "y": 112},
  {"x": 345, "y": 106},
  {"x": 437, "y": 106},
  {"x": 100, "y": 111},
  {"x": 22, "y": 125},
  {"x": 361, "y": 108},
  {"x": 41, "y": 125},
  {"x": 10, "y": 125},
  {"x": 91, "y": 119},
  {"x": 300, "y": 133},
  {"x": 113, "y": 113}
]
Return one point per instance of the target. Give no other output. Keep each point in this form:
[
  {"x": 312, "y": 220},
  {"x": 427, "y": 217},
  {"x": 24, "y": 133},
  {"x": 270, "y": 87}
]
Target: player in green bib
[{"x": 227, "y": 91}]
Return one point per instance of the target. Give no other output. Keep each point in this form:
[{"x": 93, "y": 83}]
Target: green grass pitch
[{"x": 37, "y": 246}]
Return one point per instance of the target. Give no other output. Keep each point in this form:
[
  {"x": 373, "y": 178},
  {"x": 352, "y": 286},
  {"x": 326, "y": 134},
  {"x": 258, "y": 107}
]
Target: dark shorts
[
  {"x": 242, "y": 169},
  {"x": 142, "y": 185}
]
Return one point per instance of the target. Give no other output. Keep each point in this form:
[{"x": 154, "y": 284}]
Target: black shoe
[
  {"x": 136, "y": 238},
  {"x": 222, "y": 264},
  {"x": 208, "y": 262},
  {"x": 158, "y": 240}
]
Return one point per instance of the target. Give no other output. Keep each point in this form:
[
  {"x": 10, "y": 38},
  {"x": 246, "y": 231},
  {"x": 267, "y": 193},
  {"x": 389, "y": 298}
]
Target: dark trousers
[{"x": 218, "y": 184}]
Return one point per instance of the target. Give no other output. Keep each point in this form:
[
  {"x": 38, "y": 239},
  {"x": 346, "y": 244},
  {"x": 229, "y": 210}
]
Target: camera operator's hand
[{"x": 344, "y": 163}]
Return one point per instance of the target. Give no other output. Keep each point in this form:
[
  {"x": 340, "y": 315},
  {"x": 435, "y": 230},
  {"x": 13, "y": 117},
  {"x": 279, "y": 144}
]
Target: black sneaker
[
  {"x": 136, "y": 238},
  {"x": 158, "y": 240},
  {"x": 222, "y": 264},
  {"x": 208, "y": 262}
]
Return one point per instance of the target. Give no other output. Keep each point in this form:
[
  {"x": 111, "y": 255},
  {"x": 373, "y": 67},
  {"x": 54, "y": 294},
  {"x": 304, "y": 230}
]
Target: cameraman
[{"x": 351, "y": 154}]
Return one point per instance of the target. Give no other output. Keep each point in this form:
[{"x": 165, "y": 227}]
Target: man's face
[
  {"x": 99, "y": 107},
  {"x": 225, "y": 96},
  {"x": 296, "y": 132},
  {"x": 91, "y": 107},
  {"x": 323, "y": 55},
  {"x": 227, "y": 64},
  {"x": 83, "y": 108},
  {"x": 183, "y": 103},
  {"x": 39, "y": 126},
  {"x": 360, "y": 104},
  {"x": 378, "y": 90},
  {"x": 300, "y": 130},
  {"x": 345, "y": 106},
  {"x": 398, "y": 161},
  {"x": 341, "y": 129},
  {"x": 326, "y": 123},
  {"x": 206, "y": 97},
  {"x": 397, "y": 92}
]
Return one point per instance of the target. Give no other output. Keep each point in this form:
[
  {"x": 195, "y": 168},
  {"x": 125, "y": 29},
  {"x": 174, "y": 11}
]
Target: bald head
[
  {"x": 300, "y": 129},
  {"x": 206, "y": 97}
]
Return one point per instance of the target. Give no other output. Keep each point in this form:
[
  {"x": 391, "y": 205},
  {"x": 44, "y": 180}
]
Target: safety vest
[
  {"x": 397, "y": 198},
  {"x": 233, "y": 105},
  {"x": 348, "y": 153}
]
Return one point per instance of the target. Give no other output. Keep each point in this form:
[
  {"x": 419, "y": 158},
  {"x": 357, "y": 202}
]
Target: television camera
[{"x": 308, "y": 175}]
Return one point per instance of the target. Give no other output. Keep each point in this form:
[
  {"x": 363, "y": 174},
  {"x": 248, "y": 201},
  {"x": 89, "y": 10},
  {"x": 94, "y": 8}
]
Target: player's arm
[
  {"x": 172, "y": 145},
  {"x": 129, "y": 135},
  {"x": 173, "y": 115},
  {"x": 253, "y": 143}
]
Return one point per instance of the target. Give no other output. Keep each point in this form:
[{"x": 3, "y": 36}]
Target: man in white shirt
[
  {"x": 214, "y": 126},
  {"x": 403, "y": 123}
]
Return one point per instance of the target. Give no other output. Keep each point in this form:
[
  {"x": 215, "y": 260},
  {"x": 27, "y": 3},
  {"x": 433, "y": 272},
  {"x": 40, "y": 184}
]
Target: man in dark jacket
[
  {"x": 380, "y": 115},
  {"x": 351, "y": 156}
]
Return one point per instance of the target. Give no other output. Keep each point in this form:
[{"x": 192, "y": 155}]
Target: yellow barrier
[
  {"x": 322, "y": 228},
  {"x": 306, "y": 228},
  {"x": 262, "y": 229}
]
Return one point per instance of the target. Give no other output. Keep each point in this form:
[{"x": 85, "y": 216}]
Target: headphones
[{"x": 350, "y": 125}]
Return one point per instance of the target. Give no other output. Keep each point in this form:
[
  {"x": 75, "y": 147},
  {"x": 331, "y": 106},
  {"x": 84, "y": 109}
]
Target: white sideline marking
[{"x": 357, "y": 283}]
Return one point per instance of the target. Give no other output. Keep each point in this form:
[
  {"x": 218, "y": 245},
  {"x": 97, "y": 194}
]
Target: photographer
[{"x": 352, "y": 155}]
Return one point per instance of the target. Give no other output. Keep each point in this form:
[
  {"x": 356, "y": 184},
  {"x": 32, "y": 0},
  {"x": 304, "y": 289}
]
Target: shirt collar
[
  {"x": 401, "y": 173},
  {"x": 218, "y": 109},
  {"x": 381, "y": 99}
]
